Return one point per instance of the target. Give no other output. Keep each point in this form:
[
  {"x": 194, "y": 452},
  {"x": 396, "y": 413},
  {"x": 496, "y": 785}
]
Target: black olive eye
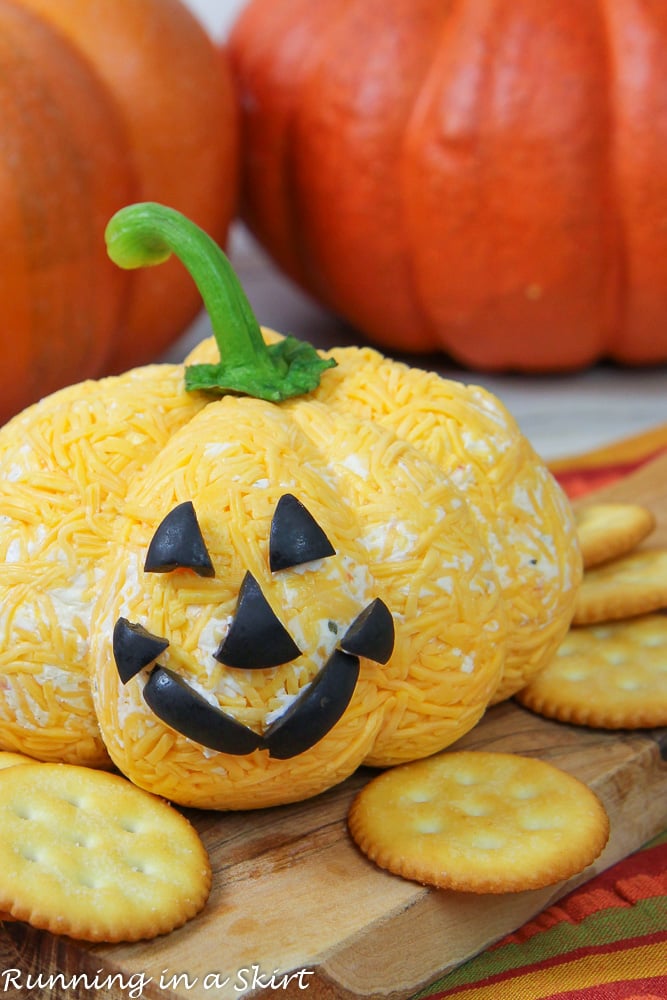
[
  {"x": 134, "y": 647},
  {"x": 256, "y": 637},
  {"x": 178, "y": 544},
  {"x": 295, "y": 537}
]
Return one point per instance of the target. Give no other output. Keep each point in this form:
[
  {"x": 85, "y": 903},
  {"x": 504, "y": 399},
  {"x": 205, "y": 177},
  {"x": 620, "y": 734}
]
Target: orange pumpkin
[
  {"x": 479, "y": 177},
  {"x": 101, "y": 102}
]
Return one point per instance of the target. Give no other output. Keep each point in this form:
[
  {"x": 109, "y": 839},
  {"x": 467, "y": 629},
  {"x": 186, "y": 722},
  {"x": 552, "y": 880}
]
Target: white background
[{"x": 217, "y": 15}]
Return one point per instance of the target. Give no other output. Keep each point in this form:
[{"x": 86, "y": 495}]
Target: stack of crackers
[{"x": 611, "y": 670}]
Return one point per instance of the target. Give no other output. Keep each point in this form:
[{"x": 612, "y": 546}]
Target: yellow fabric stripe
[
  {"x": 629, "y": 449},
  {"x": 606, "y": 966}
]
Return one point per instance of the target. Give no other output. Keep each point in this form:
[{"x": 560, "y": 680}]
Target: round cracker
[
  {"x": 635, "y": 584},
  {"x": 609, "y": 676},
  {"x": 10, "y": 759},
  {"x": 609, "y": 530},
  {"x": 87, "y": 854},
  {"x": 478, "y": 821}
]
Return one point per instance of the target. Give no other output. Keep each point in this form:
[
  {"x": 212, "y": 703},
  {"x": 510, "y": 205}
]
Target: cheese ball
[{"x": 238, "y": 602}]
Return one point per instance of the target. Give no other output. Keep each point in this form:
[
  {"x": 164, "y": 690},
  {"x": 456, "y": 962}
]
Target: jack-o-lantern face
[
  {"x": 256, "y": 640},
  {"x": 237, "y": 634},
  {"x": 260, "y": 571}
]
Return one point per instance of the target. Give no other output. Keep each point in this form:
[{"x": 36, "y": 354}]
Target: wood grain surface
[{"x": 292, "y": 896}]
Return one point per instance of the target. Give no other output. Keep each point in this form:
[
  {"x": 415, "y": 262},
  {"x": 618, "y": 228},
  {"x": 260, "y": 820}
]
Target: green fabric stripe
[
  {"x": 660, "y": 839},
  {"x": 603, "y": 928}
]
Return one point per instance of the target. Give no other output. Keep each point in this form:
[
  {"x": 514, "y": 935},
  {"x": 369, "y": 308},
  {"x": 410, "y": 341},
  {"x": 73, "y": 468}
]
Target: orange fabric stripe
[
  {"x": 617, "y": 888},
  {"x": 607, "y": 966},
  {"x": 579, "y": 474},
  {"x": 626, "y": 452}
]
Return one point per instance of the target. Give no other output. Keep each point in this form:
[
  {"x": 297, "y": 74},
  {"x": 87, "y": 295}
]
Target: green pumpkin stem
[{"x": 145, "y": 234}]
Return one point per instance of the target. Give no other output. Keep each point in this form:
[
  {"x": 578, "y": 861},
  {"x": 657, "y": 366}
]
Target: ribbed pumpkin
[
  {"x": 474, "y": 176},
  {"x": 101, "y": 102}
]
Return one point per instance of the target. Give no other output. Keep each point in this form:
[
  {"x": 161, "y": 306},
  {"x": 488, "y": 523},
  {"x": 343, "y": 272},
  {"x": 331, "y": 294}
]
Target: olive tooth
[{"x": 371, "y": 634}]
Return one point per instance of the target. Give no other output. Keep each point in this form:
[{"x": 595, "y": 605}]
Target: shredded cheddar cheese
[
  {"x": 66, "y": 462},
  {"x": 521, "y": 510},
  {"x": 431, "y": 497}
]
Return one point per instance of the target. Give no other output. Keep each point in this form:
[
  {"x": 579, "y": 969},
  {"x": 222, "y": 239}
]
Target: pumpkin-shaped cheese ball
[
  {"x": 239, "y": 600},
  {"x": 65, "y": 465}
]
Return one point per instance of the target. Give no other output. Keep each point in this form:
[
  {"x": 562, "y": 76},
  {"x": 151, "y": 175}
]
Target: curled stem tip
[{"x": 146, "y": 234}]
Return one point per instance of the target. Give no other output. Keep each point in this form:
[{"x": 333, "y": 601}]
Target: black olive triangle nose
[
  {"x": 178, "y": 544},
  {"x": 295, "y": 536},
  {"x": 256, "y": 637}
]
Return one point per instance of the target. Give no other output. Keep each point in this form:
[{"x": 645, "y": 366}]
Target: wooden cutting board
[{"x": 291, "y": 893}]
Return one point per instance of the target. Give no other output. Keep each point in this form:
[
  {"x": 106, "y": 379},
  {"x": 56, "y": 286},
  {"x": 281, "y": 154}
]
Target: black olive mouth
[{"x": 312, "y": 714}]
